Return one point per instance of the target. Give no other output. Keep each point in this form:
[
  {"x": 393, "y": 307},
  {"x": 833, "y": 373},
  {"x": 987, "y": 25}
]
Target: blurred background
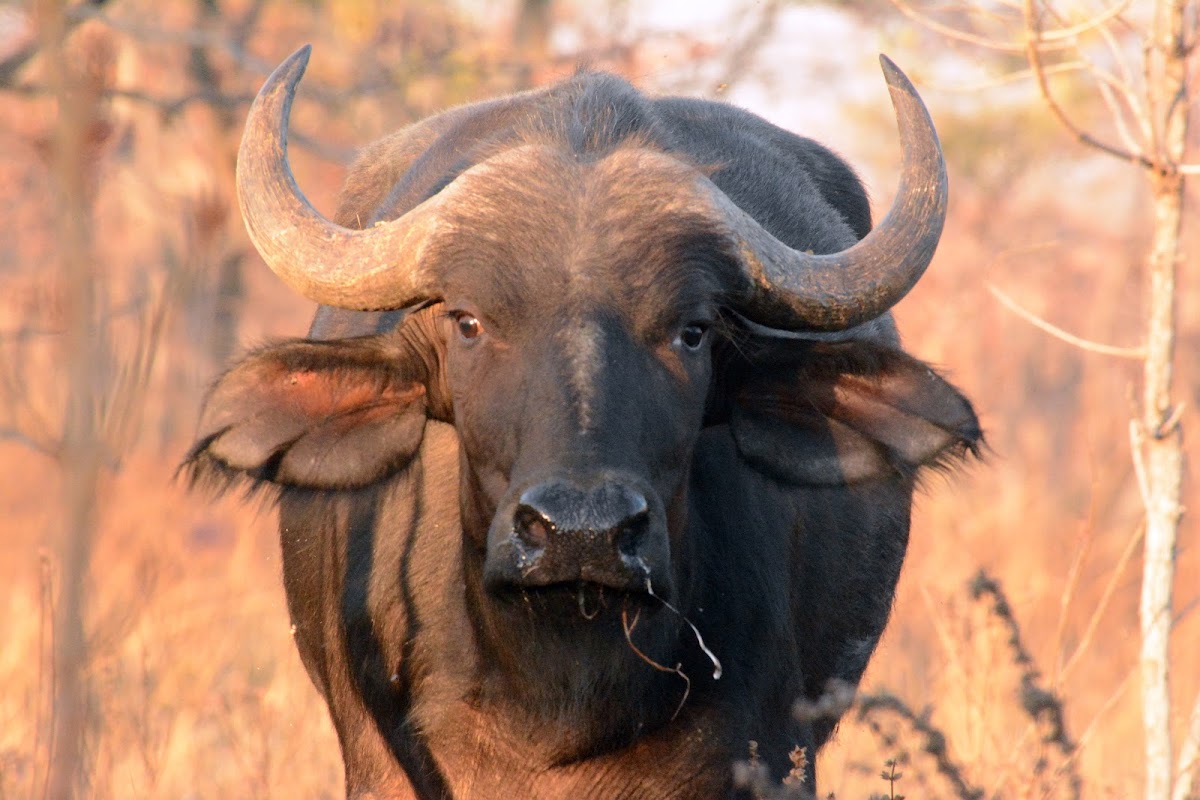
[{"x": 146, "y": 648}]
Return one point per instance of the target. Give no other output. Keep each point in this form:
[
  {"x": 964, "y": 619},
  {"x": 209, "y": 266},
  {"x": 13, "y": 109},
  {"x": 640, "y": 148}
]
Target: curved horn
[
  {"x": 794, "y": 290},
  {"x": 366, "y": 270}
]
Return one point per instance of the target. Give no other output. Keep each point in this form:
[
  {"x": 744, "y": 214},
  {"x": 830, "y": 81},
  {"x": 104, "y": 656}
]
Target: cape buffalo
[{"x": 602, "y": 449}]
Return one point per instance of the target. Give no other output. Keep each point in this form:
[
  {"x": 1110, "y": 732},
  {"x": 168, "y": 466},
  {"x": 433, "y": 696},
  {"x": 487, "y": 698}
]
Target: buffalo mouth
[
  {"x": 580, "y": 600},
  {"x": 582, "y": 563}
]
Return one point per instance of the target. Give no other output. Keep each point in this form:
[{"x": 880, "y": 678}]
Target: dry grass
[{"x": 195, "y": 688}]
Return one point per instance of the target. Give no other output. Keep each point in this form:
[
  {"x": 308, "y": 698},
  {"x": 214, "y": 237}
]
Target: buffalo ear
[
  {"x": 839, "y": 413},
  {"x": 315, "y": 414}
]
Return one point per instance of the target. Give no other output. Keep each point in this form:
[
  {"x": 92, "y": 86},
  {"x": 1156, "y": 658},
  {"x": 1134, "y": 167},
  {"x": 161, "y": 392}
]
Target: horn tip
[
  {"x": 286, "y": 76},
  {"x": 295, "y": 64},
  {"x": 895, "y": 76}
]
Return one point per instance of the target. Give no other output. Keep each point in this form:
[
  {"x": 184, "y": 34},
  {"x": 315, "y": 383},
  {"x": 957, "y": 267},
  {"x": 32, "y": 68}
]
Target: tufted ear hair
[
  {"x": 336, "y": 414},
  {"x": 833, "y": 413}
]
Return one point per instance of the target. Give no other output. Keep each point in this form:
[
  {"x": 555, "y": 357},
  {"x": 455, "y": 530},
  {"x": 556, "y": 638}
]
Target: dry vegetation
[{"x": 193, "y": 688}]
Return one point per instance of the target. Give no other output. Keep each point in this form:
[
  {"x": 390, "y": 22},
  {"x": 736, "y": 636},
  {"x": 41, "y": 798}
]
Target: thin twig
[
  {"x": 1117, "y": 115},
  {"x": 1110, "y": 589},
  {"x": 955, "y": 34},
  {"x": 188, "y": 37},
  {"x": 45, "y": 692},
  {"x": 27, "y": 332},
  {"x": 1109, "y": 704},
  {"x": 49, "y": 450},
  {"x": 1059, "y": 333},
  {"x": 1088, "y": 26},
  {"x": 1137, "y": 443},
  {"x": 1132, "y": 98},
  {"x": 173, "y": 106},
  {"x": 232, "y": 46},
  {"x": 1074, "y": 573},
  {"x": 678, "y": 669},
  {"x": 1013, "y": 76},
  {"x": 1189, "y": 755},
  {"x": 934, "y": 614},
  {"x": 169, "y": 106},
  {"x": 1033, "y": 53}
]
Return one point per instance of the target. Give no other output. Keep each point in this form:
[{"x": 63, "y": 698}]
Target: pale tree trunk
[
  {"x": 1160, "y": 437},
  {"x": 1189, "y": 756},
  {"x": 82, "y": 448},
  {"x": 1158, "y": 433}
]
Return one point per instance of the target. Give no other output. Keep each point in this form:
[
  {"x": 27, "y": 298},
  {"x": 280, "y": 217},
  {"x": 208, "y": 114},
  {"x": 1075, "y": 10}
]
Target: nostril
[
  {"x": 631, "y": 532},
  {"x": 532, "y": 526}
]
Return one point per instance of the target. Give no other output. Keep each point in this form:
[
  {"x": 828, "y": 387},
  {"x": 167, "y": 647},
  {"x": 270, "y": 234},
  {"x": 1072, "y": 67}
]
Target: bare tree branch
[
  {"x": 1097, "y": 22},
  {"x": 955, "y": 34},
  {"x": 1132, "y": 98},
  {"x": 1033, "y": 52},
  {"x": 1108, "y": 706},
  {"x": 172, "y": 107},
  {"x": 1136, "y": 353},
  {"x": 1117, "y": 115},
  {"x": 48, "y": 450},
  {"x": 1189, "y": 755},
  {"x": 1062, "y": 38},
  {"x": 1110, "y": 587},
  {"x": 233, "y": 47}
]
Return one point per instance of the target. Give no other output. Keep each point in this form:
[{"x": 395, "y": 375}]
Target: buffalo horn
[
  {"x": 375, "y": 268},
  {"x": 794, "y": 290}
]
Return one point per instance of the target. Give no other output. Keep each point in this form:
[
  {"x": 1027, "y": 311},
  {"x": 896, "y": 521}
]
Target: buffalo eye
[
  {"x": 692, "y": 336},
  {"x": 469, "y": 327}
]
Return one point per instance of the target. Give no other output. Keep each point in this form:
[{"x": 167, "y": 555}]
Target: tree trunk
[
  {"x": 1159, "y": 434},
  {"x": 82, "y": 447},
  {"x": 1161, "y": 438}
]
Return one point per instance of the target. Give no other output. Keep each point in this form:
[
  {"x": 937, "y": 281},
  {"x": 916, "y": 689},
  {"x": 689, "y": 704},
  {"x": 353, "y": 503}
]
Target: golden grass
[{"x": 196, "y": 688}]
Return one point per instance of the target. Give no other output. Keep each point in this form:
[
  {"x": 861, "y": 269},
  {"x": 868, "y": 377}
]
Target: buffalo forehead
[{"x": 540, "y": 231}]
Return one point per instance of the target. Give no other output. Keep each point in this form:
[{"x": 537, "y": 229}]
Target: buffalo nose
[{"x": 607, "y": 515}]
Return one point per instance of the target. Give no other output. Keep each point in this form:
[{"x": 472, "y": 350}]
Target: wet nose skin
[
  {"x": 613, "y": 512},
  {"x": 561, "y": 532}
]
